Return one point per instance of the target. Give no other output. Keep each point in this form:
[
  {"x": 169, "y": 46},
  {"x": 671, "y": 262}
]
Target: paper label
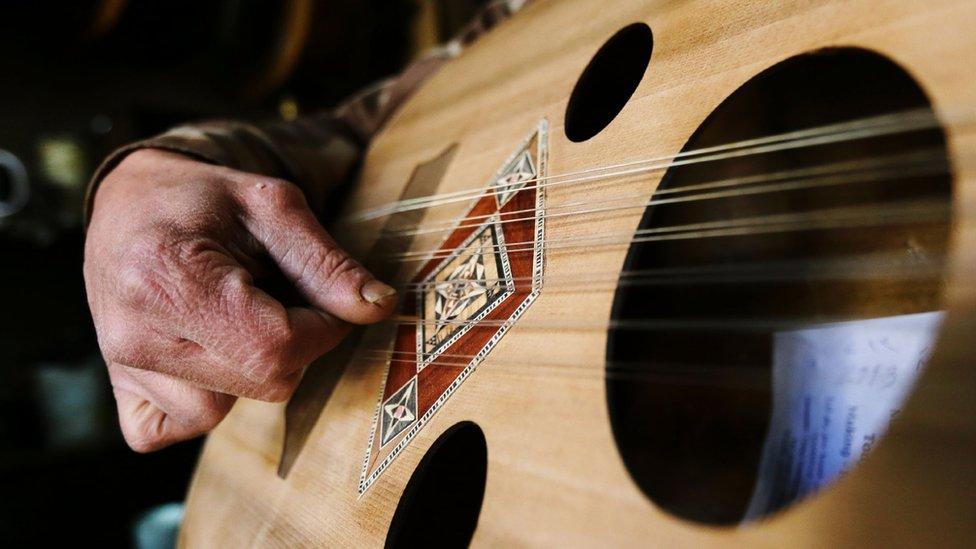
[{"x": 836, "y": 388}]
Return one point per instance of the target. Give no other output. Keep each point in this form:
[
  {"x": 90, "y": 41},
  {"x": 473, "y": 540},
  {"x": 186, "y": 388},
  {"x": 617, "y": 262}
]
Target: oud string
[
  {"x": 889, "y": 124},
  {"x": 922, "y": 162},
  {"x": 914, "y": 212},
  {"x": 887, "y": 266},
  {"x": 724, "y": 324},
  {"x": 852, "y": 268},
  {"x": 855, "y": 267},
  {"x": 917, "y": 119},
  {"x": 907, "y": 164},
  {"x": 684, "y": 373}
]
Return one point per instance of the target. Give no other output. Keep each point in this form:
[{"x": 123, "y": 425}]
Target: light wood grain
[{"x": 552, "y": 485}]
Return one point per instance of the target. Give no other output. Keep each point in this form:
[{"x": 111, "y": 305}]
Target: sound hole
[
  {"x": 608, "y": 81},
  {"x": 442, "y": 501},
  {"x": 691, "y": 393}
]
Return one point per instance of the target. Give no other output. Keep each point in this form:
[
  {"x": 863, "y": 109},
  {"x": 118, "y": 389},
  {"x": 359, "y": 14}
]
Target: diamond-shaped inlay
[
  {"x": 513, "y": 177},
  {"x": 461, "y": 290},
  {"x": 469, "y": 293},
  {"x": 399, "y": 411}
]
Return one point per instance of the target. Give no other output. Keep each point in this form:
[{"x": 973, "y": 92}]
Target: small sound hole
[
  {"x": 800, "y": 292},
  {"x": 442, "y": 501},
  {"x": 608, "y": 81}
]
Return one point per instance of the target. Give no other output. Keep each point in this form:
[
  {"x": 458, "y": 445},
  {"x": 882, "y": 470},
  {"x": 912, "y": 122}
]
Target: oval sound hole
[
  {"x": 807, "y": 246},
  {"x": 608, "y": 81},
  {"x": 442, "y": 501}
]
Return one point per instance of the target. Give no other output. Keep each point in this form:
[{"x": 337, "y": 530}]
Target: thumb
[{"x": 324, "y": 274}]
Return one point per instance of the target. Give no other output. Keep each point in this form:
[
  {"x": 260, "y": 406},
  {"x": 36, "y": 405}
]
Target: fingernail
[{"x": 375, "y": 291}]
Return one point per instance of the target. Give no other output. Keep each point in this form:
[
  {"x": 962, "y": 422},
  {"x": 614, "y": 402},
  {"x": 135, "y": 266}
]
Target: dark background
[{"x": 80, "y": 78}]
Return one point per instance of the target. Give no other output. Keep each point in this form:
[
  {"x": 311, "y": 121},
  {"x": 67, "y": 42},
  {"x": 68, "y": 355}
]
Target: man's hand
[{"x": 171, "y": 258}]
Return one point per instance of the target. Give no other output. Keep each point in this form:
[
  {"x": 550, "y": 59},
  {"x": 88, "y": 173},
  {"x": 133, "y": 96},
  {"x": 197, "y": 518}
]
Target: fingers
[
  {"x": 156, "y": 410},
  {"x": 260, "y": 342},
  {"x": 190, "y": 310},
  {"x": 326, "y": 276},
  {"x": 278, "y": 355},
  {"x": 239, "y": 360}
]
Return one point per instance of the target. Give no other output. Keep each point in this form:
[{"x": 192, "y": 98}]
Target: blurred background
[{"x": 80, "y": 78}]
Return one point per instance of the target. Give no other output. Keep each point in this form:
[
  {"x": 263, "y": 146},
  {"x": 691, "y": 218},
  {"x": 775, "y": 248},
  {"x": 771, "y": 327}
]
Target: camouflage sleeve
[
  {"x": 312, "y": 153},
  {"x": 317, "y": 153}
]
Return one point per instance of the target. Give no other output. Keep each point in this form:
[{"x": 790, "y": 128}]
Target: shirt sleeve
[{"x": 314, "y": 153}]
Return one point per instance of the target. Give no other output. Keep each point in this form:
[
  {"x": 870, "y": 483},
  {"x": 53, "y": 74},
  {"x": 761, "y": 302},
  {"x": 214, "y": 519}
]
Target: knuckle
[
  {"x": 347, "y": 267},
  {"x": 210, "y": 415},
  {"x": 146, "y": 276},
  {"x": 333, "y": 262},
  {"x": 232, "y": 291},
  {"x": 277, "y": 193},
  {"x": 165, "y": 275},
  {"x": 143, "y": 434},
  {"x": 278, "y": 390},
  {"x": 140, "y": 286},
  {"x": 114, "y": 348},
  {"x": 126, "y": 343},
  {"x": 274, "y": 363},
  {"x": 270, "y": 357}
]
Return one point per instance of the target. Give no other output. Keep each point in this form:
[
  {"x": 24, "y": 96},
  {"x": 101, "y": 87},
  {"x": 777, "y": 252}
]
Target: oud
[{"x": 634, "y": 241}]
